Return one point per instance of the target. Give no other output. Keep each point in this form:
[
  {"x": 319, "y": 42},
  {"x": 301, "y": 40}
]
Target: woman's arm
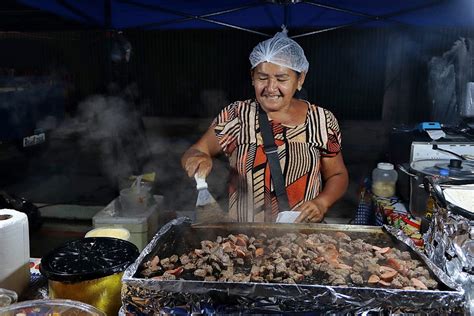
[
  {"x": 336, "y": 179},
  {"x": 198, "y": 158}
]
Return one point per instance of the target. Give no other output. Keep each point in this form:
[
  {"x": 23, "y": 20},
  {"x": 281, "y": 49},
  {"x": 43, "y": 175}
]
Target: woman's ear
[{"x": 301, "y": 79}]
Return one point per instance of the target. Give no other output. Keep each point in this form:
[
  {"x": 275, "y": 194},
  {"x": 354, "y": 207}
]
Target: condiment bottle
[
  {"x": 431, "y": 203},
  {"x": 384, "y": 178}
]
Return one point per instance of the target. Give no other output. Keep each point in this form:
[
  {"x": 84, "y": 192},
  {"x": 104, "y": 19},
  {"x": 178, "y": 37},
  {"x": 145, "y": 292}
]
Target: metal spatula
[{"x": 207, "y": 208}]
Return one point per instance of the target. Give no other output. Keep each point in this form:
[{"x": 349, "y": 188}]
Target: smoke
[{"x": 112, "y": 127}]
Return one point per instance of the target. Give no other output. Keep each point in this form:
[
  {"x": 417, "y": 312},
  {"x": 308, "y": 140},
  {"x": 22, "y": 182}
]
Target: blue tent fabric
[{"x": 259, "y": 14}]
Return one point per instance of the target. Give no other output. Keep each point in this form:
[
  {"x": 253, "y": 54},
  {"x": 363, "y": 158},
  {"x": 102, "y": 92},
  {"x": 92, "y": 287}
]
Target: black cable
[{"x": 435, "y": 147}]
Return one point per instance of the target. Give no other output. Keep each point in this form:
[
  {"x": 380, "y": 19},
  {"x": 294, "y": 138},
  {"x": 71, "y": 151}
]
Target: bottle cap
[
  {"x": 444, "y": 172},
  {"x": 385, "y": 166}
]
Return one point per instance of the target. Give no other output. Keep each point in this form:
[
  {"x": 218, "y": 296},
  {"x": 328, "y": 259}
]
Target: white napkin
[
  {"x": 436, "y": 133},
  {"x": 287, "y": 217}
]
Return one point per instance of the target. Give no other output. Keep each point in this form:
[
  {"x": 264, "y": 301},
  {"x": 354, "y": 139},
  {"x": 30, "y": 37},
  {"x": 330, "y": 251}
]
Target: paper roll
[{"x": 14, "y": 250}]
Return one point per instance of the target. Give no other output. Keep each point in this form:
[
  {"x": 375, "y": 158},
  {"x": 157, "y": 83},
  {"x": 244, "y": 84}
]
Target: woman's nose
[{"x": 272, "y": 85}]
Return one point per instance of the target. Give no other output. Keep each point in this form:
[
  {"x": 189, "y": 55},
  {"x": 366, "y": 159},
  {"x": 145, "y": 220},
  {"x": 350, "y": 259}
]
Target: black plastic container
[{"x": 89, "y": 270}]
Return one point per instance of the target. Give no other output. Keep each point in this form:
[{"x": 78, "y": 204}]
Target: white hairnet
[{"x": 280, "y": 50}]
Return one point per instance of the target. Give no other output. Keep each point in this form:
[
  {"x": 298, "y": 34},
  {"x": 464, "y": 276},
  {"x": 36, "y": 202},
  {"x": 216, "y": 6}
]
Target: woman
[{"x": 307, "y": 136}]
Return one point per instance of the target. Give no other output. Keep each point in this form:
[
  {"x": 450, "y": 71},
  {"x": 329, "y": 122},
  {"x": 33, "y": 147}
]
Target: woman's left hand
[{"x": 311, "y": 211}]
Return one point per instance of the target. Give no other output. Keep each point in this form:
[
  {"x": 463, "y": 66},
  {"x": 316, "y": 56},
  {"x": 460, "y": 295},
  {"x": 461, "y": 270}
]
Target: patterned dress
[{"x": 300, "y": 149}]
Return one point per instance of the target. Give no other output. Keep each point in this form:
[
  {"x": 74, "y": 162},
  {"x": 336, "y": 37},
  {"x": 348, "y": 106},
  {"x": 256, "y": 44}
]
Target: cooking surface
[
  {"x": 349, "y": 264},
  {"x": 187, "y": 239}
]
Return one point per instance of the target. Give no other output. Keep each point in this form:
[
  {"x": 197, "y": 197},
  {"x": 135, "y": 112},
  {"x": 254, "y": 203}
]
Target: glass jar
[{"x": 384, "y": 178}]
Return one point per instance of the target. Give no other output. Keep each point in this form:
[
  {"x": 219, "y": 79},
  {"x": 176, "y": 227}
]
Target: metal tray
[{"x": 150, "y": 295}]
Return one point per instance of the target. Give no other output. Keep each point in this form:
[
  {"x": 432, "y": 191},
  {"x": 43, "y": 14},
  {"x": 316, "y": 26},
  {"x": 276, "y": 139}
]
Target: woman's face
[{"x": 275, "y": 85}]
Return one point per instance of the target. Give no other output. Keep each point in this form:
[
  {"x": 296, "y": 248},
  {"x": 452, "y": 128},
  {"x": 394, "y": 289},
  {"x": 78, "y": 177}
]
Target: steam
[
  {"x": 110, "y": 125},
  {"x": 130, "y": 145}
]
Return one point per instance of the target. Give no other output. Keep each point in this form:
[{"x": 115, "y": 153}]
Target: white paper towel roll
[{"x": 14, "y": 250}]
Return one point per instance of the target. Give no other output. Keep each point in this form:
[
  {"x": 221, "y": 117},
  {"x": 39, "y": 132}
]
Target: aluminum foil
[
  {"x": 149, "y": 296},
  {"x": 449, "y": 244}
]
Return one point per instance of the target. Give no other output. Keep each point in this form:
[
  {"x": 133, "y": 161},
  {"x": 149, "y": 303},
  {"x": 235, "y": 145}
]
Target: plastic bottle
[
  {"x": 384, "y": 178},
  {"x": 431, "y": 202}
]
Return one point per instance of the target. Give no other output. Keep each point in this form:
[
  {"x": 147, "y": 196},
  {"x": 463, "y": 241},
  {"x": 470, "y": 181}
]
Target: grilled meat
[{"x": 294, "y": 258}]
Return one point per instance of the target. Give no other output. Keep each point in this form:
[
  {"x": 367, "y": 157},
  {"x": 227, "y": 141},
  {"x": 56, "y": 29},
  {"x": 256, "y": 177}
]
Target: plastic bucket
[
  {"x": 133, "y": 201},
  {"x": 89, "y": 270}
]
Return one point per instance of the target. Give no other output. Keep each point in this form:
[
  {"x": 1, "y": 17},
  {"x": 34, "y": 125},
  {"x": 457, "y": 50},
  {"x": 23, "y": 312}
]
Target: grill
[{"x": 179, "y": 236}]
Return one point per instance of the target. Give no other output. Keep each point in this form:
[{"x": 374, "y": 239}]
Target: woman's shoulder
[
  {"x": 236, "y": 110},
  {"x": 238, "y": 107},
  {"x": 317, "y": 108},
  {"x": 319, "y": 112},
  {"x": 249, "y": 103}
]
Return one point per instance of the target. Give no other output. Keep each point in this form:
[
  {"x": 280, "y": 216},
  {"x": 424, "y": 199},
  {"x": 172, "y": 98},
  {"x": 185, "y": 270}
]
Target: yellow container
[
  {"x": 103, "y": 293},
  {"x": 89, "y": 270},
  {"x": 113, "y": 232}
]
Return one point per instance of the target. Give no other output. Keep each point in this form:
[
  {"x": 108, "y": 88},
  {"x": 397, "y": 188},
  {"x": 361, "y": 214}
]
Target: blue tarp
[{"x": 260, "y": 15}]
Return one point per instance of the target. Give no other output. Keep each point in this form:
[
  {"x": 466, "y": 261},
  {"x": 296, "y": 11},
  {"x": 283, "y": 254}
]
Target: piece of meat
[
  {"x": 418, "y": 284},
  {"x": 284, "y": 251},
  {"x": 239, "y": 252},
  {"x": 255, "y": 270},
  {"x": 153, "y": 264},
  {"x": 397, "y": 265},
  {"x": 168, "y": 276},
  {"x": 259, "y": 252},
  {"x": 329, "y": 253},
  {"x": 387, "y": 274},
  {"x": 228, "y": 247},
  {"x": 200, "y": 273},
  {"x": 342, "y": 236},
  {"x": 189, "y": 266},
  {"x": 373, "y": 279},
  {"x": 357, "y": 278},
  {"x": 151, "y": 267},
  {"x": 280, "y": 269},
  {"x": 184, "y": 259},
  {"x": 175, "y": 272},
  {"x": 174, "y": 259},
  {"x": 384, "y": 283},
  {"x": 384, "y": 250},
  {"x": 344, "y": 266},
  {"x": 239, "y": 241},
  {"x": 210, "y": 278}
]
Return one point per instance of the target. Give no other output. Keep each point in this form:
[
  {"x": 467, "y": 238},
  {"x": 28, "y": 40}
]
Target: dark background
[{"x": 173, "y": 68}]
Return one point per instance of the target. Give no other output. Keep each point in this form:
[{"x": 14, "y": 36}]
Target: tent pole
[
  {"x": 194, "y": 17},
  {"x": 108, "y": 40},
  {"x": 286, "y": 14},
  {"x": 385, "y": 17},
  {"x": 108, "y": 14},
  {"x": 78, "y": 12}
]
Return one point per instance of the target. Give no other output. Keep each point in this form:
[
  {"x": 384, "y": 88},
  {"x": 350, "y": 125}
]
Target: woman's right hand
[{"x": 196, "y": 162}]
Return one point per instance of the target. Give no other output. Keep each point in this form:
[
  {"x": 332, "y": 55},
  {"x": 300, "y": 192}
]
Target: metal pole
[{"x": 108, "y": 40}]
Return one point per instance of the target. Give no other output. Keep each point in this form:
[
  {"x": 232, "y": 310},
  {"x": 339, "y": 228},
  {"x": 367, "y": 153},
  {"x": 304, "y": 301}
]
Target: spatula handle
[{"x": 200, "y": 182}]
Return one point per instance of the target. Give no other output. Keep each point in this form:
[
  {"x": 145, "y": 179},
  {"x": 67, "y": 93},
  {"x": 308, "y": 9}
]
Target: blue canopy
[{"x": 259, "y": 16}]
